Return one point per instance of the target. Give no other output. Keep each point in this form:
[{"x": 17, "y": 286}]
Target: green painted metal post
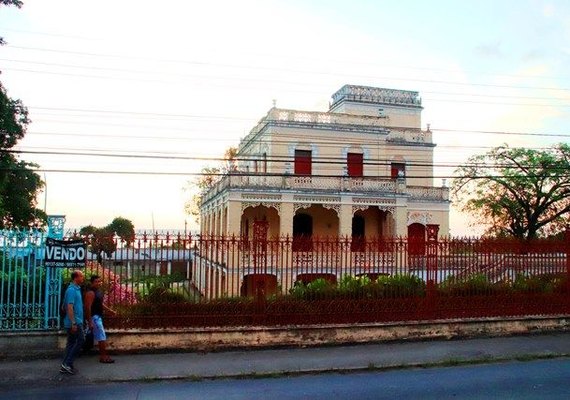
[{"x": 53, "y": 277}]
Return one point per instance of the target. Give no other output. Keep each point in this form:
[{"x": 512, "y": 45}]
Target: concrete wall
[
  {"x": 32, "y": 345},
  {"x": 397, "y": 116}
]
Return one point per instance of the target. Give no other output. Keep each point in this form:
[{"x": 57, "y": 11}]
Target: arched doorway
[
  {"x": 259, "y": 213},
  {"x": 302, "y": 232},
  {"x": 302, "y": 225},
  {"x": 416, "y": 239},
  {"x": 358, "y": 233}
]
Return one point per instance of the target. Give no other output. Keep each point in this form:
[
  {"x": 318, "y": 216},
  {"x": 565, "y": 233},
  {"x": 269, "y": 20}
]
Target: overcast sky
[{"x": 180, "y": 81}]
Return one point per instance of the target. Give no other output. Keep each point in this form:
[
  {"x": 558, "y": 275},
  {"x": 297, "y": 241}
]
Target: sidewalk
[{"x": 147, "y": 367}]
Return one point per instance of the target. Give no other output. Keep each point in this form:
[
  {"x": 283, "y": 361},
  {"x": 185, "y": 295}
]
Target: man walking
[
  {"x": 94, "y": 307},
  {"x": 73, "y": 322}
]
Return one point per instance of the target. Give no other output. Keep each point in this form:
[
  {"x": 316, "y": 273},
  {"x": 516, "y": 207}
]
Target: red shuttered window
[
  {"x": 303, "y": 162},
  {"x": 398, "y": 169},
  {"x": 355, "y": 165}
]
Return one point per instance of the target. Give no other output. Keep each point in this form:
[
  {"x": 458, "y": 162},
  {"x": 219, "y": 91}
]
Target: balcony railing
[
  {"x": 331, "y": 184},
  {"x": 346, "y": 121}
]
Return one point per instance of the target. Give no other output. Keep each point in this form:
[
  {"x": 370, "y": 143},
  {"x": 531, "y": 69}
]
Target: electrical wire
[
  {"x": 257, "y": 79},
  {"x": 258, "y": 67},
  {"x": 282, "y": 159}
]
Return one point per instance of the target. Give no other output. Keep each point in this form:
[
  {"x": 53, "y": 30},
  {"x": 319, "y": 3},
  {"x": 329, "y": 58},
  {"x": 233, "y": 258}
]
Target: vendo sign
[{"x": 65, "y": 253}]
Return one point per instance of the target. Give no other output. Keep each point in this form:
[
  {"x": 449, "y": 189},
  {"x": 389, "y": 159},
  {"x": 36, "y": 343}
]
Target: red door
[{"x": 416, "y": 239}]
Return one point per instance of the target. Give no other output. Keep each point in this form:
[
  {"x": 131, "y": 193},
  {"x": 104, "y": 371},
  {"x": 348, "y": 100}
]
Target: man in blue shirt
[{"x": 73, "y": 322}]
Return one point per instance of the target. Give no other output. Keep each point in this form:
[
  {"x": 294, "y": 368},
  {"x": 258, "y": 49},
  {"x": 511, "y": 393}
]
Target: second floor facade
[
  {"x": 366, "y": 158},
  {"x": 386, "y": 146}
]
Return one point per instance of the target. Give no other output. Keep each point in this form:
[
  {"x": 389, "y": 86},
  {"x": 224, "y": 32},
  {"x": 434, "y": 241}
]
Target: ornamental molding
[
  {"x": 373, "y": 201},
  {"x": 299, "y": 206},
  {"x": 381, "y": 207},
  {"x": 261, "y": 197},
  {"x": 328, "y": 206},
  {"x": 335, "y": 207},
  {"x": 420, "y": 217},
  {"x": 253, "y": 204},
  {"x": 317, "y": 199}
]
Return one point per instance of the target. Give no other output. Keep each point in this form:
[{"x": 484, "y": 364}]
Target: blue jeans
[{"x": 74, "y": 345}]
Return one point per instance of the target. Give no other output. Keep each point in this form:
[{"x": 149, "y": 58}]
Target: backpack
[{"x": 62, "y": 310}]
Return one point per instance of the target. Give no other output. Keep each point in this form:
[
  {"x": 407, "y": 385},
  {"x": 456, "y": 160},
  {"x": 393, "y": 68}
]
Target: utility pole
[{"x": 45, "y": 194}]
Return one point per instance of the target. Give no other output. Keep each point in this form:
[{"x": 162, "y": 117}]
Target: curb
[{"x": 279, "y": 374}]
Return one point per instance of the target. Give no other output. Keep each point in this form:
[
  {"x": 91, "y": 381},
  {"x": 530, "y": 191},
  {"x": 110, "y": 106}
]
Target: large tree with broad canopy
[{"x": 518, "y": 192}]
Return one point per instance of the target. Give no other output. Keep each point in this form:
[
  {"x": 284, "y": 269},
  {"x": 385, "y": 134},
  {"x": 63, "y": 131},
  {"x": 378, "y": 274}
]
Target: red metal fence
[{"x": 164, "y": 280}]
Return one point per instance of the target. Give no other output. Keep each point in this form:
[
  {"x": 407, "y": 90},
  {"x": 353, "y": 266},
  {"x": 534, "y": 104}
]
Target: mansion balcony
[{"x": 326, "y": 185}]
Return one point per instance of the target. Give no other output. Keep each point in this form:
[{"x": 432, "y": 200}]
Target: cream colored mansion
[{"x": 364, "y": 168}]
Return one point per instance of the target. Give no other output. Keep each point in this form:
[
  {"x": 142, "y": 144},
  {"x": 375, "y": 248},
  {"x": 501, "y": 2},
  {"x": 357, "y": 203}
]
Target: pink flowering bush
[
  {"x": 116, "y": 293},
  {"x": 120, "y": 294}
]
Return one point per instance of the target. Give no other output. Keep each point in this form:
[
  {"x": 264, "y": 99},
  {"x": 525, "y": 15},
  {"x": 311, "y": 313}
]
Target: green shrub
[
  {"x": 145, "y": 284},
  {"x": 361, "y": 287},
  {"x": 400, "y": 286},
  {"x": 473, "y": 285},
  {"x": 354, "y": 285},
  {"x": 22, "y": 283},
  {"x": 298, "y": 290},
  {"x": 161, "y": 295},
  {"x": 545, "y": 283},
  {"x": 317, "y": 289}
]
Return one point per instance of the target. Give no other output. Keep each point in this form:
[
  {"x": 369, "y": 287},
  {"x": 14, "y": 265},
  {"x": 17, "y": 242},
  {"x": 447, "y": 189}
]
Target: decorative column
[
  {"x": 345, "y": 220},
  {"x": 233, "y": 219},
  {"x": 286, "y": 219},
  {"x": 401, "y": 219}
]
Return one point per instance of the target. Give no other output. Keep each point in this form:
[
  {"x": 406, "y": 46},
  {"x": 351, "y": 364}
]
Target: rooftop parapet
[{"x": 376, "y": 95}]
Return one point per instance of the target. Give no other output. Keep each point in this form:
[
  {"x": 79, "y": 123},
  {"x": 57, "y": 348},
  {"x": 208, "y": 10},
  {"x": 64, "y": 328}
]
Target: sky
[{"x": 129, "y": 99}]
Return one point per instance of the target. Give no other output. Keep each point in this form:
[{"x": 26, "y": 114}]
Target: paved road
[
  {"x": 241, "y": 363},
  {"x": 543, "y": 379}
]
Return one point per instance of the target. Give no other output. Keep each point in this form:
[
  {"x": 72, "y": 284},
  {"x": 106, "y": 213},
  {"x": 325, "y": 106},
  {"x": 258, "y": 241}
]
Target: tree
[
  {"x": 19, "y": 184},
  {"x": 208, "y": 177},
  {"x": 102, "y": 240},
  {"x": 517, "y": 192},
  {"x": 17, "y": 3}
]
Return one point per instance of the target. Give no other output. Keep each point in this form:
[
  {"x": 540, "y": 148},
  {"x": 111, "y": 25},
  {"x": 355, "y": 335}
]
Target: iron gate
[{"x": 29, "y": 292}]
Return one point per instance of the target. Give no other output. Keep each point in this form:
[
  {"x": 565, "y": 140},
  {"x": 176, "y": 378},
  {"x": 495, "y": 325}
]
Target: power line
[
  {"x": 502, "y": 132},
  {"x": 284, "y": 69},
  {"x": 312, "y": 92},
  {"x": 258, "y": 79},
  {"x": 120, "y": 112},
  {"x": 283, "y": 159},
  {"x": 223, "y": 118},
  {"x": 246, "y": 175},
  {"x": 154, "y": 127},
  {"x": 193, "y": 139},
  {"x": 48, "y": 34},
  {"x": 287, "y": 56}
]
